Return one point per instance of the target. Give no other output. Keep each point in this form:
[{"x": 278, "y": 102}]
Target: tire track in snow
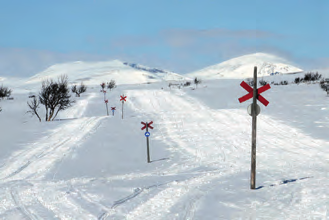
[
  {"x": 59, "y": 205},
  {"x": 20, "y": 196},
  {"x": 174, "y": 193},
  {"x": 35, "y": 161}
]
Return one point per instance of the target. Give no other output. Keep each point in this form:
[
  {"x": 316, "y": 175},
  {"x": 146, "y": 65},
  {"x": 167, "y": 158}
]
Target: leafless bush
[{"x": 54, "y": 95}]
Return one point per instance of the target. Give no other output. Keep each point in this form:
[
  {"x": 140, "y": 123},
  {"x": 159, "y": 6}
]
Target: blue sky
[{"x": 181, "y": 36}]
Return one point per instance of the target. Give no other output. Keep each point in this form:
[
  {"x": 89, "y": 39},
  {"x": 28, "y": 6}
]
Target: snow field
[{"x": 94, "y": 167}]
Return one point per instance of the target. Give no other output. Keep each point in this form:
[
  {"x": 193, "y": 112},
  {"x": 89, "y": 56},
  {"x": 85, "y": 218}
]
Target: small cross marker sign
[
  {"x": 146, "y": 126},
  {"x": 251, "y": 91},
  {"x": 113, "y": 109},
  {"x": 104, "y": 92},
  {"x": 123, "y": 99}
]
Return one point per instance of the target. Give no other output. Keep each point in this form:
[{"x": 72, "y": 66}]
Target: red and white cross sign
[
  {"x": 123, "y": 98},
  {"x": 112, "y": 108},
  {"x": 106, "y": 101},
  {"x": 251, "y": 91},
  {"x": 147, "y": 124}
]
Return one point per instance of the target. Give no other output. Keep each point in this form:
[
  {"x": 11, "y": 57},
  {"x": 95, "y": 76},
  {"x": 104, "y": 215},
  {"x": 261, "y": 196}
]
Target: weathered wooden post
[
  {"x": 254, "y": 110},
  {"x": 147, "y": 144},
  {"x": 122, "y": 111},
  {"x": 123, "y": 99},
  {"x": 104, "y": 92},
  {"x": 107, "y": 109},
  {"x": 147, "y": 134},
  {"x": 253, "y": 133}
]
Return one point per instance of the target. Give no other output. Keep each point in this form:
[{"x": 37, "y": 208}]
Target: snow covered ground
[{"x": 92, "y": 166}]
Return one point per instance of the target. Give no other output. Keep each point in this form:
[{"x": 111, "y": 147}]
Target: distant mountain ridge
[
  {"x": 145, "y": 68},
  {"x": 94, "y": 73},
  {"x": 242, "y": 67},
  {"x": 163, "y": 74}
]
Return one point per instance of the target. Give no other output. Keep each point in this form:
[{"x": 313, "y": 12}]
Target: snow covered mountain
[
  {"x": 164, "y": 74},
  {"x": 93, "y": 73},
  {"x": 242, "y": 67}
]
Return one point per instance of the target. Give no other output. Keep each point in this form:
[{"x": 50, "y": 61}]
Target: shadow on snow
[{"x": 285, "y": 182}]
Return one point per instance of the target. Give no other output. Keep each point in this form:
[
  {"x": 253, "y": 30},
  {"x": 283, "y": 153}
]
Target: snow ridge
[
  {"x": 242, "y": 67},
  {"x": 163, "y": 74}
]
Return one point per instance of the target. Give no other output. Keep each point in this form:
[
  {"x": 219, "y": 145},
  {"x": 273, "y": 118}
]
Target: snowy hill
[
  {"x": 164, "y": 74},
  {"x": 93, "y": 73},
  {"x": 242, "y": 67}
]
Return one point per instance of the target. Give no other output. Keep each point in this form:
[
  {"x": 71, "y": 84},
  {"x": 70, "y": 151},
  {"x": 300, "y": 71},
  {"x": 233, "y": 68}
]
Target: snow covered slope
[
  {"x": 93, "y": 73},
  {"x": 92, "y": 166},
  {"x": 242, "y": 67},
  {"x": 164, "y": 74},
  {"x": 89, "y": 165}
]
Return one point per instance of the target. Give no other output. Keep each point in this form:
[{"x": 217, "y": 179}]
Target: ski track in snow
[
  {"x": 203, "y": 137},
  {"x": 22, "y": 175},
  {"x": 35, "y": 161},
  {"x": 199, "y": 137}
]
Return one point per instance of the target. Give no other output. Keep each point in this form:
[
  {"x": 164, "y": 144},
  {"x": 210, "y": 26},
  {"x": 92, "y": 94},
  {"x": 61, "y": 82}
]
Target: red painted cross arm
[
  {"x": 263, "y": 88},
  {"x": 246, "y": 86},
  {"x": 143, "y": 123},
  {"x": 149, "y": 125},
  {"x": 246, "y": 97},
  {"x": 263, "y": 100}
]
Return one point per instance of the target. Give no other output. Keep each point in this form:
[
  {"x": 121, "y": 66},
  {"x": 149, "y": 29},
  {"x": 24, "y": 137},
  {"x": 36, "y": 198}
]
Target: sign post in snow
[
  {"x": 147, "y": 134},
  {"x": 113, "y": 109},
  {"x": 107, "y": 109},
  {"x": 123, "y": 99},
  {"x": 255, "y": 94},
  {"x": 104, "y": 91}
]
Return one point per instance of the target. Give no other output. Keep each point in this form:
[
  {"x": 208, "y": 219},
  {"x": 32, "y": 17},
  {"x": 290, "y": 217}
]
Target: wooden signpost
[
  {"x": 107, "y": 109},
  {"x": 147, "y": 134},
  {"x": 123, "y": 99},
  {"x": 104, "y": 91},
  {"x": 255, "y": 94}
]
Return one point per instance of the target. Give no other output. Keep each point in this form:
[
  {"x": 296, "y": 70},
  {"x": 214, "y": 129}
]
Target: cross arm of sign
[
  {"x": 113, "y": 108},
  {"x": 123, "y": 98},
  {"x": 106, "y": 101},
  {"x": 147, "y": 124},
  {"x": 251, "y": 90}
]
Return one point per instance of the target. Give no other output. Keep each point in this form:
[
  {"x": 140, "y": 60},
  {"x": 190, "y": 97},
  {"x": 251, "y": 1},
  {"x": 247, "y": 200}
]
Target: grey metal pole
[
  {"x": 107, "y": 109},
  {"x": 148, "y": 146},
  {"x": 122, "y": 110},
  {"x": 253, "y": 138}
]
